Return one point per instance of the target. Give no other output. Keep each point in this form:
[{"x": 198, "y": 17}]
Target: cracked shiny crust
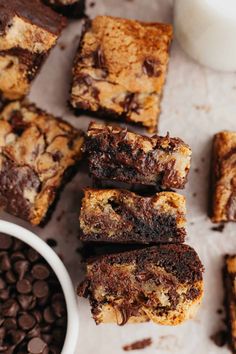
[
  {"x": 230, "y": 296},
  {"x": 36, "y": 152},
  {"x": 121, "y": 216},
  {"x": 120, "y": 69},
  {"x": 162, "y": 284},
  {"x": 224, "y": 177},
  {"x": 28, "y": 30},
  {"x": 116, "y": 154}
]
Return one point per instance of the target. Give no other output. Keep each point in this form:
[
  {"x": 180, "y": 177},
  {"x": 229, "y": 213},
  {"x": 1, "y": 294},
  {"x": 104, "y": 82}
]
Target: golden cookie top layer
[
  {"x": 44, "y": 145},
  {"x": 133, "y": 53},
  {"x": 224, "y": 176},
  {"x": 125, "y": 62}
]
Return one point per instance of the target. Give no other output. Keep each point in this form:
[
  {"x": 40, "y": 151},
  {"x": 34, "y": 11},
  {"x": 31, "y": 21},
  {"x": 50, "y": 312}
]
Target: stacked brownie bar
[{"x": 161, "y": 281}]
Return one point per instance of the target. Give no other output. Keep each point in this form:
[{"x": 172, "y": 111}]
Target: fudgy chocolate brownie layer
[
  {"x": 37, "y": 150},
  {"x": 229, "y": 278},
  {"x": 116, "y": 154},
  {"x": 70, "y": 8},
  {"x": 224, "y": 177},
  {"x": 120, "y": 69},
  {"x": 28, "y": 30},
  {"x": 121, "y": 216},
  {"x": 160, "y": 283}
]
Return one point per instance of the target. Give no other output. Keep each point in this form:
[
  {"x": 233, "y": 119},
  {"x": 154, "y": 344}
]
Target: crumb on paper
[
  {"x": 194, "y": 194},
  {"x": 203, "y": 107},
  {"x": 196, "y": 170},
  {"x": 92, "y": 4},
  {"x": 60, "y": 216},
  {"x": 140, "y": 344},
  {"x": 218, "y": 228},
  {"x": 203, "y": 159},
  {"x": 62, "y": 46},
  {"x": 220, "y": 338},
  {"x": 51, "y": 242},
  {"x": 191, "y": 223},
  {"x": 220, "y": 311}
]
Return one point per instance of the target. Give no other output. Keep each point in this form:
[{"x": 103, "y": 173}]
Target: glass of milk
[{"x": 206, "y": 30}]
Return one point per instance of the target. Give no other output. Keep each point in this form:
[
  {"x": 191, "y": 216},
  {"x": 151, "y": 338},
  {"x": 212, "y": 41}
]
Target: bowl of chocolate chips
[{"x": 38, "y": 307}]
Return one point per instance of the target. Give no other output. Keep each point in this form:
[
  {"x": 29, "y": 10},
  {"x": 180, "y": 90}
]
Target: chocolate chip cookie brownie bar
[
  {"x": 224, "y": 177},
  {"x": 70, "y": 8},
  {"x": 230, "y": 297},
  {"x": 37, "y": 152},
  {"x": 162, "y": 283},
  {"x": 28, "y": 30},
  {"x": 120, "y": 68},
  {"x": 120, "y": 216},
  {"x": 117, "y": 154}
]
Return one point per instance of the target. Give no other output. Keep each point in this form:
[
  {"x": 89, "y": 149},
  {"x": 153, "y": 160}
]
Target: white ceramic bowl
[{"x": 58, "y": 267}]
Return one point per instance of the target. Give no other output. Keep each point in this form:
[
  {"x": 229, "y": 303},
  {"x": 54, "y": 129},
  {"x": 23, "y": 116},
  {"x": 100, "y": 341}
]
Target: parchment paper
[{"x": 197, "y": 103}]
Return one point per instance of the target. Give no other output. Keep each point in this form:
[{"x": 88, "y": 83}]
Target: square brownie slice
[
  {"x": 28, "y": 30},
  {"x": 120, "y": 68},
  {"x": 224, "y": 177},
  {"x": 117, "y": 154},
  {"x": 120, "y": 216},
  {"x": 162, "y": 283},
  {"x": 69, "y": 8},
  {"x": 37, "y": 153}
]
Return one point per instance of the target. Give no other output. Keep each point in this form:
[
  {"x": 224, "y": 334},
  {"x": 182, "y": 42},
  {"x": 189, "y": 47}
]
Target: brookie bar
[
  {"x": 229, "y": 274},
  {"x": 37, "y": 152},
  {"x": 117, "y": 154},
  {"x": 70, "y": 8},
  {"x": 120, "y": 216},
  {"x": 162, "y": 283},
  {"x": 224, "y": 177},
  {"x": 28, "y": 30},
  {"x": 120, "y": 68}
]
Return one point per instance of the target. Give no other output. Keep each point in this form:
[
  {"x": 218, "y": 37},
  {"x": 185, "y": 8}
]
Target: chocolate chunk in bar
[
  {"x": 120, "y": 216},
  {"x": 28, "y": 30},
  {"x": 229, "y": 277},
  {"x": 70, "y": 8},
  {"x": 120, "y": 68},
  {"x": 116, "y": 154},
  {"x": 162, "y": 283},
  {"x": 224, "y": 177},
  {"x": 37, "y": 152}
]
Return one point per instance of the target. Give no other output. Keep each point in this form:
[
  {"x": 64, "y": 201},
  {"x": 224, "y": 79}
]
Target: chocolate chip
[
  {"x": 48, "y": 315},
  {"x": 4, "y": 294},
  {"x": 15, "y": 336},
  {"x": 16, "y": 256},
  {"x": 5, "y": 242},
  {"x": 5, "y": 263},
  {"x": 10, "y": 323},
  {"x": 40, "y": 272},
  {"x": 10, "y": 277},
  {"x": 32, "y": 255},
  {"x": 99, "y": 59},
  {"x": 10, "y": 308},
  {"x": 26, "y": 321},
  {"x": 27, "y": 302},
  {"x": 36, "y": 346},
  {"x": 150, "y": 66},
  {"x": 40, "y": 289},
  {"x": 59, "y": 308},
  {"x": 24, "y": 286},
  {"x": 51, "y": 242},
  {"x": 2, "y": 284},
  {"x": 21, "y": 268}
]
